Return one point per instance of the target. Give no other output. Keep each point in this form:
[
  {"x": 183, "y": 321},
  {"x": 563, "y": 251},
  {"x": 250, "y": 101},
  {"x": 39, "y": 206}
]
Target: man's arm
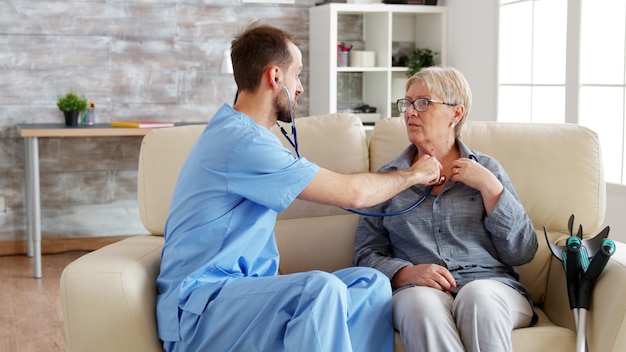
[{"x": 367, "y": 189}]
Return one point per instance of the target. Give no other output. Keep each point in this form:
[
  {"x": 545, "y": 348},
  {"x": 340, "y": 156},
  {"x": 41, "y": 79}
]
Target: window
[{"x": 564, "y": 61}]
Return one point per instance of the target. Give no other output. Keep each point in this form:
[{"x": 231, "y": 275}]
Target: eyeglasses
[{"x": 420, "y": 104}]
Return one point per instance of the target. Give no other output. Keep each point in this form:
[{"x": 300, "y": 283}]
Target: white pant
[{"x": 480, "y": 318}]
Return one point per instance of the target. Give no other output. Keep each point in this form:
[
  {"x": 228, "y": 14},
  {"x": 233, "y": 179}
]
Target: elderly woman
[{"x": 451, "y": 261}]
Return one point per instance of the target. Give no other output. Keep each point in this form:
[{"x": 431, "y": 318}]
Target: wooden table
[{"x": 31, "y": 133}]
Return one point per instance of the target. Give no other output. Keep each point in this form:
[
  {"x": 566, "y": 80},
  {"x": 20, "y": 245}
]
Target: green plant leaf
[
  {"x": 420, "y": 58},
  {"x": 71, "y": 102}
]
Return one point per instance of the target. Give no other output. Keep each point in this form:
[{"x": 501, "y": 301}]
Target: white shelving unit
[{"x": 425, "y": 26}]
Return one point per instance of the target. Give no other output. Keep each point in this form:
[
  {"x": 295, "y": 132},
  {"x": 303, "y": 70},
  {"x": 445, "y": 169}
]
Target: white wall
[
  {"x": 615, "y": 205},
  {"x": 473, "y": 49}
]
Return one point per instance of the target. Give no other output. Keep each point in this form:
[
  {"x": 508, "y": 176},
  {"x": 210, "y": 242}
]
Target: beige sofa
[{"x": 108, "y": 295}]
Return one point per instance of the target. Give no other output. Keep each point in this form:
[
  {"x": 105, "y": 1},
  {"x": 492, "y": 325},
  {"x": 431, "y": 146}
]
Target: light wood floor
[{"x": 31, "y": 319}]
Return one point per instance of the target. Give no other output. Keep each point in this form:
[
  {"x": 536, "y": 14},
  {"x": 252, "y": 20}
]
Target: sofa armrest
[
  {"x": 111, "y": 292},
  {"x": 606, "y": 319}
]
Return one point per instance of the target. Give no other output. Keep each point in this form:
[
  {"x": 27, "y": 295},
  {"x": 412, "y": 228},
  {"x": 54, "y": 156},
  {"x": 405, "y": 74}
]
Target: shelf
[
  {"x": 391, "y": 31},
  {"x": 362, "y": 69},
  {"x": 358, "y": 9}
]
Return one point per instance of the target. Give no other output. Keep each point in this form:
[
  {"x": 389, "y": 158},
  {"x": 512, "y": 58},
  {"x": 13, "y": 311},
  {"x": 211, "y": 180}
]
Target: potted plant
[
  {"x": 71, "y": 105},
  {"x": 420, "y": 58}
]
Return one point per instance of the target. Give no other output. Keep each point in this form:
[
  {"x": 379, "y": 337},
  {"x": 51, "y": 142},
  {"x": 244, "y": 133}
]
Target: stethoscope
[
  {"x": 294, "y": 133},
  {"x": 400, "y": 212},
  {"x": 294, "y": 144}
]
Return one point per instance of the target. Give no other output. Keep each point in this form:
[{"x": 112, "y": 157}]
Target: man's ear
[{"x": 274, "y": 74}]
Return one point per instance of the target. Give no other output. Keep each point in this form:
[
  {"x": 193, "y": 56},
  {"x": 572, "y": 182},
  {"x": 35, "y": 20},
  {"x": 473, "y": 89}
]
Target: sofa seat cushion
[{"x": 545, "y": 333}]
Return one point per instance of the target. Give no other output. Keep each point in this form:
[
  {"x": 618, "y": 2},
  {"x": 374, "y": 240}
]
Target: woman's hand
[
  {"x": 472, "y": 174},
  {"x": 431, "y": 275}
]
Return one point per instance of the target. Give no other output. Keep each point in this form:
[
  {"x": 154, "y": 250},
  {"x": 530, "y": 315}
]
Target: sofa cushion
[
  {"x": 163, "y": 153},
  {"x": 321, "y": 243},
  {"x": 334, "y": 141}
]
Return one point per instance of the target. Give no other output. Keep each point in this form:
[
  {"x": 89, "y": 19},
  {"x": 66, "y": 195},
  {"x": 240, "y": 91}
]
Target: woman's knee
[
  {"x": 420, "y": 302},
  {"x": 481, "y": 298}
]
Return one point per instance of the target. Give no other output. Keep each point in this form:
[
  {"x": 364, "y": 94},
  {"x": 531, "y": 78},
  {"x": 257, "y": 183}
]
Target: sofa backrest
[
  {"x": 162, "y": 155},
  {"x": 333, "y": 141},
  {"x": 556, "y": 170}
]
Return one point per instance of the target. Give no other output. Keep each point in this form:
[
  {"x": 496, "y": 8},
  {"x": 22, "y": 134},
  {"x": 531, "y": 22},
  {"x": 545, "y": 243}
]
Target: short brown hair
[{"x": 256, "y": 48}]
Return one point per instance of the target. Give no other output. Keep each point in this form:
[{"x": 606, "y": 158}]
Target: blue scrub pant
[{"x": 348, "y": 310}]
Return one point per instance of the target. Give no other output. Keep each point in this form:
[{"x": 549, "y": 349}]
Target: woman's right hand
[{"x": 431, "y": 275}]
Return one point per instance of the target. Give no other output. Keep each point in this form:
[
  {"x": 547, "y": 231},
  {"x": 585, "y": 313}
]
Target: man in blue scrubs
[{"x": 218, "y": 289}]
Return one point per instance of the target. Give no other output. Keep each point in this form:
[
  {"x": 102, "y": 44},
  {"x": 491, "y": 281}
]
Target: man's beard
[{"x": 281, "y": 106}]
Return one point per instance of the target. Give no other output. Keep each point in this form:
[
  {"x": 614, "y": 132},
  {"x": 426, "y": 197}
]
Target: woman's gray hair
[{"x": 447, "y": 84}]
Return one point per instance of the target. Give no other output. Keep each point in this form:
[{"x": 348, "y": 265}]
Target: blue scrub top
[{"x": 236, "y": 179}]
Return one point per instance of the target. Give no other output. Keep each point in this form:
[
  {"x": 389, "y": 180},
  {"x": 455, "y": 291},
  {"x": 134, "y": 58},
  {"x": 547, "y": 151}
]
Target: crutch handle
[
  {"x": 573, "y": 269},
  {"x": 589, "y": 277}
]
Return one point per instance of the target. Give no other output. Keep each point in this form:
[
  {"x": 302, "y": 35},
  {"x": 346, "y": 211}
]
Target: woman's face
[{"x": 430, "y": 126}]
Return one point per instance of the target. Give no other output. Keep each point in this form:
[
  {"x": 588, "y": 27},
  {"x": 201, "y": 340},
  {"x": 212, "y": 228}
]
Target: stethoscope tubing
[{"x": 395, "y": 213}]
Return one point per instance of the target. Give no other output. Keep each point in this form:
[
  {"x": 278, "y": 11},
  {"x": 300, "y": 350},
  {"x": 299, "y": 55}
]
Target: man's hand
[{"x": 428, "y": 169}]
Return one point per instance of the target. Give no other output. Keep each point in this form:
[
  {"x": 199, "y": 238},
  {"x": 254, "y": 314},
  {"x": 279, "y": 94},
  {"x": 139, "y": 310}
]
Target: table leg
[
  {"x": 33, "y": 203},
  {"x": 27, "y": 197}
]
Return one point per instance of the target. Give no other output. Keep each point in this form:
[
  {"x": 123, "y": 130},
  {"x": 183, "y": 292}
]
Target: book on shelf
[{"x": 141, "y": 124}]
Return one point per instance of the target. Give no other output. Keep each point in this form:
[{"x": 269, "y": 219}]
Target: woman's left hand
[{"x": 472, "y": 174}]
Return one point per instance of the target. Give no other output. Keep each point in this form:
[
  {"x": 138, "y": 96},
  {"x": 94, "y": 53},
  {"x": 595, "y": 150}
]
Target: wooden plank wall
[{"x": 136, "y": 59}]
